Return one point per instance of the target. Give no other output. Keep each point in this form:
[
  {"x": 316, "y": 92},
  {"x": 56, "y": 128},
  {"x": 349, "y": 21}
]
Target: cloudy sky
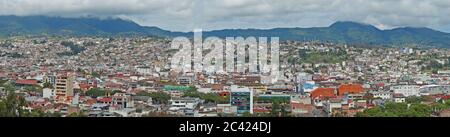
[{"x": 185, "y": 15}]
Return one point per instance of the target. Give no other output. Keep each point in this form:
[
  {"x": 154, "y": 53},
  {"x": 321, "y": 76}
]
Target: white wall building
[
  {"x": 332, "y": 104},
  {"x": 48, "y": 93},
  {"x": 406, "y": 90},
  {"x": 382, "y": 95},
  {"x": 144, "y": 70},
  {"x": 184, "y": 103}
]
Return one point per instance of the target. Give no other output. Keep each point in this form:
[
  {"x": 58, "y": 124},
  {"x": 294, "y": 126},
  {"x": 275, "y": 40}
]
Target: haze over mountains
[{"x": 339, "y": 32}]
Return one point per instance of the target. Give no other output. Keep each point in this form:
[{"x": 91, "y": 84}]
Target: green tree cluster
[
  {"x": 157, "y": 97},
  {"x": 208, "y": 97},
  {"x": 96, "y": 92},
  {"x": 391, "y": 109}
]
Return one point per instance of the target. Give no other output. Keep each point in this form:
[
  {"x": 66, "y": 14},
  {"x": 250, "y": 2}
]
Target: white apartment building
[{"x": 406, "y": 90}]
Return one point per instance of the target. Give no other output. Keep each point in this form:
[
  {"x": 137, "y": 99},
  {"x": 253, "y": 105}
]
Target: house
[
  {"x": 143, "y": 100},
  {"x": 360, "y": 104},
  {"x": 227, "y": 109},
  {"x": 208, "y": 110},
  {"x": 399, "y": 98},
  {"x": 300, "y": 108},
  {"x": 262, "y": 106},
  {"x": 105, "y": 100},
  {"x": 301, "y": 99}
]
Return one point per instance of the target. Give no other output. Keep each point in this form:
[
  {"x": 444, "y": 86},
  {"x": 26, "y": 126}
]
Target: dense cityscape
[{"x": 131, "y": 77}]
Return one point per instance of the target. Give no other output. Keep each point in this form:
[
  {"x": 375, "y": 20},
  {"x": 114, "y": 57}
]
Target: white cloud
[{"x": 218, "y": 14}]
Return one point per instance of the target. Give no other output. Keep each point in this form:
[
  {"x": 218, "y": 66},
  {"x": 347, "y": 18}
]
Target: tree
[
  {"x": 275, "y": 108},
  {"x": 398, "y": 110},
  {"x": 47, "y": 85},
  {"x": 414, "y": 99},
  {"x": 12, "y": 106},
  {"x": 208, "y": 97},
  {"x": 9, "y": 87},
  {"x": 247, "y": 114},
  {"x": 95, "y": 74},
  {"x": 37, "y": 89},
  {"x": 77, "y": 114},
  {"x": 96, "y": 92}
]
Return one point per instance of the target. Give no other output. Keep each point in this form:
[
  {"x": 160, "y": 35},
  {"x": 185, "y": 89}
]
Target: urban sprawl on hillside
[{"x": 131, "y": 77}]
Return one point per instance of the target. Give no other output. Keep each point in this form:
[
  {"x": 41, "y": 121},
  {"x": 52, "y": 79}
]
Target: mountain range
[{"x": 339, "y": 32}]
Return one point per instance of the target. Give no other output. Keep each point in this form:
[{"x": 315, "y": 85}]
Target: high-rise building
[
  {"x": 64, "y": 85},
  {"x": 242, "y": 97}
]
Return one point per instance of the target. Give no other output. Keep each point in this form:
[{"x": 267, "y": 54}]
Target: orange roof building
[
  {"x": 350, "y": 89},
  {"x": 323, "y": 93}
]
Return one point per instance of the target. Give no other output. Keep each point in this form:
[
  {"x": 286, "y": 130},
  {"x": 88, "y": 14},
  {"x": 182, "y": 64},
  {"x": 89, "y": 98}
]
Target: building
[
  {"x": 299, "y": 109},
  {"x": 64, "y": 85},
  {"x": 242, "y": 97},
  {"x": 300, "y": 99},
  {"x": 144, "y": 70},
  {"x": 399, "y": 98},
  {"x": 406, "y": 90},
  {"x": 226, "y": 109},
  {"x": 280, "y": 89},
  {"x": 122, "y": 100},
  {"x": 308, "y": 87},
  {"x": 332, "y": 104},
  {"x": 382, "y": 95},
  {"x": 247, "y": 80},
  {"x": 185, "y": 80},
  {"x": 350, "y": 89},
  {"x": 320, "y": 95},
  {"x": 357, "y": 96},
  {"x": 49, "y": 79},
  {"x": 184, "y": 103},
  {"x": 434, "y": 89},
  {"x": 48, "y": 93},
  {"x": 301, "y": 105},
  {"x": 26, "y": 82}
]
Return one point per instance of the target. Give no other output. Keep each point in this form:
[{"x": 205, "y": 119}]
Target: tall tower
[{"x": 64, "y": 84}]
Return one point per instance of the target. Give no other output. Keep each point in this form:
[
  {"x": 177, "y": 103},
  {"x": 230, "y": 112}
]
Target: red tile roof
[
  {"x": 323, "y": 93},
  {"x": 260, "y": 110},
  {"x": 84, "y": 86},
  {"x": 350, "y": 88},
  {"x": 446, "y": 97},
  {"x": 27, "y": 82},
  {"x": 105, "y": 100}
]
